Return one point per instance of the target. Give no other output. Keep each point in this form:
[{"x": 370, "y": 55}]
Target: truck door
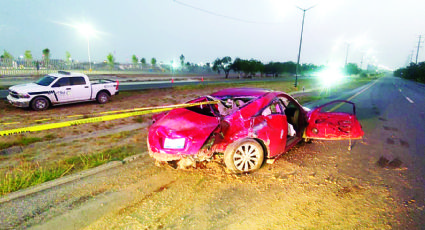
[
  {"x": 81, "y": 90},
  {"x": 62, "y": 89}
]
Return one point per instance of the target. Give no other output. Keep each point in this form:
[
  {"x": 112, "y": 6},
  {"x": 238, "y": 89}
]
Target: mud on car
[{"x": 247, "y": 125}]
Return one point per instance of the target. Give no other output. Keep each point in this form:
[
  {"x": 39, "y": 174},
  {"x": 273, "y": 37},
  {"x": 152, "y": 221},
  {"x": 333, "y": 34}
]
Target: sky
[{"x": 362, "y": 31}]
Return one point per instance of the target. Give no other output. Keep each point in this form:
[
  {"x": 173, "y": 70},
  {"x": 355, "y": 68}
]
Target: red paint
[
  {"x": 333, "y": 125},
  {"x": 252, "y": 113}
]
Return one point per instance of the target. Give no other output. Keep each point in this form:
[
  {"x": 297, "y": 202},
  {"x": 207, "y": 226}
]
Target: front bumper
[{"x": 21, "y": 102}]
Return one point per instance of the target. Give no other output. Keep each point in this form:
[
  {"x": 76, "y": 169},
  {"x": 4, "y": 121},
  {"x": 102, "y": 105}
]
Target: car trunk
[{"x": 181, "y": 132}]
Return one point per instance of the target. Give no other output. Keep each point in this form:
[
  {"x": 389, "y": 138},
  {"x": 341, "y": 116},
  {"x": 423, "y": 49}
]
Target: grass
[
  {"x": 28, "y": 174},
  {"x": 279, "y": 84},
  {"x": 25, "y": 141}
]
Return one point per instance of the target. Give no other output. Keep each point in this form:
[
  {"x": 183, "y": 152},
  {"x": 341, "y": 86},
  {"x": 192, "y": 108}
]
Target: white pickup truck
[{"x": 61, "y": 88}]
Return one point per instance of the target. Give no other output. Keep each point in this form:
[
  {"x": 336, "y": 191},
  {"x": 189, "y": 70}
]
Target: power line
[{"x": 222, "y": 15}]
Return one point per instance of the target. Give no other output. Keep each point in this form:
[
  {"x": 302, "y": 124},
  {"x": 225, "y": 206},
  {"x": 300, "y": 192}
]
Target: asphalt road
[{"x": 391, "y": 111}]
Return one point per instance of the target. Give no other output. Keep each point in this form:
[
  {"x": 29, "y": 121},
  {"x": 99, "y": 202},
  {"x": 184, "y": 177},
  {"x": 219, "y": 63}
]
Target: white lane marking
[
  {"x": 351, "y": 98},
  {"x": 409, "y": 100}
]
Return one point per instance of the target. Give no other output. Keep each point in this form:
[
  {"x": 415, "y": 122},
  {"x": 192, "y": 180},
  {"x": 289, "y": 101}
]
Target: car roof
[{"x": 235, "y": 92}]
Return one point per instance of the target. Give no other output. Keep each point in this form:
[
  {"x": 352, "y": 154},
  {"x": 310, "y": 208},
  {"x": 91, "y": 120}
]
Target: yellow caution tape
[
  {"x": 10, "y": 123},
  {"x": 101, "y": 113},
  {"x": 141, "y": 111}
]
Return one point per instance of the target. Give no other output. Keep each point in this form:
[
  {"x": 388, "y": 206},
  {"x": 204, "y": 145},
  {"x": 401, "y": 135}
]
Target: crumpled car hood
[{"x": 181, "y": 123}]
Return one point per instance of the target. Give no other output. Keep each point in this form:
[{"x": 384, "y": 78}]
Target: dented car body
[{"x": 247, "y": 125}]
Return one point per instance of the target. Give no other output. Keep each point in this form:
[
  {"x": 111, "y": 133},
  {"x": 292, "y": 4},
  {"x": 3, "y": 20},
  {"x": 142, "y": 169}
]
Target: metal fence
[{"x": 10, "y": 67}]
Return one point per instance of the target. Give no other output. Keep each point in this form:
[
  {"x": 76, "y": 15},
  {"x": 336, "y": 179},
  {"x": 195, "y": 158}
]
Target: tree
[
  {"x": 28, "y": 55},
  {"x": 110, "y": 60},
  {"x": 237, "y": 65},
  {"x": 153, "y": 61},
  {"x": 414, "y": 72},
  {"x": 143, "y": 61},
  {"x": 352, "y": 68},
  {"x": 276, "y": 68},
  {"x": 68, "y": 58},
  {"x": 46, "y": 56},
  {"x": 182, "y": 60},
  {"x": 224, "y": 64},
  {"x": 135, "y": 60},
  {"x": 7, "y": 57}
]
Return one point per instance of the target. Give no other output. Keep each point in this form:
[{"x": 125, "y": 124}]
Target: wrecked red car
[{"x": 247, "y": 125}]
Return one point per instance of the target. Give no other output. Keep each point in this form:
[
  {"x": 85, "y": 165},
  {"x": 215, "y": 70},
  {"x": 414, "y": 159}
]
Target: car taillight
[{"x": 116, "y": 88}]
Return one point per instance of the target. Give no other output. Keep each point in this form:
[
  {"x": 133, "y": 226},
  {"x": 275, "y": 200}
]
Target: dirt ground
[
  {"x": 318, "y": 185},
  {"x": 314, "y": 186}
]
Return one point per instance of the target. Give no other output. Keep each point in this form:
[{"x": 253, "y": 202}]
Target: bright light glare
[
  {"x": 86, "y": 30},
  {"x": 174, "y": 65},
  {"x": 331, "y": 75}
]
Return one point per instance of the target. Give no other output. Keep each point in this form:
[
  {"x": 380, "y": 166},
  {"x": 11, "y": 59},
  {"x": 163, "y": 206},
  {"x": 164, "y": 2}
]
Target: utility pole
[
  {"x": 417, "y": 52},
  {"x": 346, "y": 54},
  {"x": 299, "y": 49}
]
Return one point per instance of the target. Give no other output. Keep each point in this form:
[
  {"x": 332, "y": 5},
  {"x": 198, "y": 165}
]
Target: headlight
[{"x": 23, "y": 95}]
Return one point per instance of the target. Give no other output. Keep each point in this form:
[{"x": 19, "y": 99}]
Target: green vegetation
[
  {"x": 251, "y": 67},
  {"x": 153, "y": 61},
  {"x": 25, "y": 141},
  {"x": 352, "y": 69},
  {"x": 415, "y": 72},
  {"x": 135, "y": 60},
  {"x": 46, "y": 56},
  {"x": 28, "y": 56},
  {"x": 28, "y": 174},
  {"x": 110, "y": 60},
  {"x": 182, "y": 60},
  {"x": 224, "y": 64}
]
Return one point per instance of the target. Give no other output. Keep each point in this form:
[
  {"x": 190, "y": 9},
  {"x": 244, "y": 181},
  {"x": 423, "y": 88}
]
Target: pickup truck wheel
[
  {"x": 39, "y": 103},
  {"x": 244, "y": 156},
  {"x": 102, "y": 97}
]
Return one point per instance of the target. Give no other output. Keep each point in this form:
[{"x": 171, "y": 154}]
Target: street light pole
[
  {"x": 88, "y": 51},
  {"x": 299, "y": 49},
  {"x": 86, "y": 30}
]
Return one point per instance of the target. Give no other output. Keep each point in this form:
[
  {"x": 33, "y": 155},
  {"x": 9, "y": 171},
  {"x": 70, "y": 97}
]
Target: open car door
[{"x": 329, "y": 125}]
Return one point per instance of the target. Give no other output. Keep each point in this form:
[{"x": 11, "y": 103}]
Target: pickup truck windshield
[{"x": 45, "y": 81}]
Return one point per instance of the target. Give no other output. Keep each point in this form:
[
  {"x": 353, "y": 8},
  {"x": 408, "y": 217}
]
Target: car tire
[
  {"x": 39, "y": 104},
  {"x": 102, "y": 97},
  {"x": 244, "y": 156}
]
